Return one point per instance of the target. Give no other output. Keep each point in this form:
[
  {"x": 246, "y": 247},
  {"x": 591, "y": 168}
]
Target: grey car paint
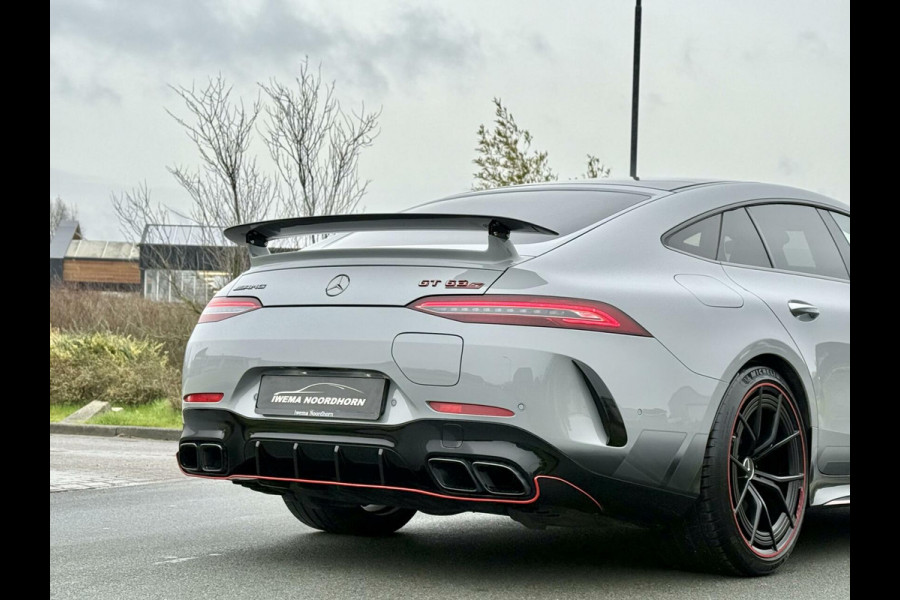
[{"x": 707, "y": 320}]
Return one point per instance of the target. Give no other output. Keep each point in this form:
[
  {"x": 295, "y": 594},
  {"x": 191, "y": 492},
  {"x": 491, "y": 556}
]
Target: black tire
[
  {"x": 731, "y": 529},
  {"x": 369, "y": 521}
]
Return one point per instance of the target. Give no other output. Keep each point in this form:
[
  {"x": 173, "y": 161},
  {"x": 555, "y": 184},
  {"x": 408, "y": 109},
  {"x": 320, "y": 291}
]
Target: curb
[{"x": 148, "y": 433}]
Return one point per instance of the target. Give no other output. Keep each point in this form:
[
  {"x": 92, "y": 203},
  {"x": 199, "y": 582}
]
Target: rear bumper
[
  {"x": 552, "y": 380},
  {"x": 434, "y": 465}
]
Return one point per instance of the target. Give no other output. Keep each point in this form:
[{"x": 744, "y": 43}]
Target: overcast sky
[{"x": 740, "y": 90}]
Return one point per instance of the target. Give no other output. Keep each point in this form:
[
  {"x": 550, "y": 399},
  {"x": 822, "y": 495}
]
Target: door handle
[{"x": 803, "y": 310}]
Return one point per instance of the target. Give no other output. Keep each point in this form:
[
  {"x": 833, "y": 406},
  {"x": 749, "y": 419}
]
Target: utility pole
[{"x": 635, "y": 87}]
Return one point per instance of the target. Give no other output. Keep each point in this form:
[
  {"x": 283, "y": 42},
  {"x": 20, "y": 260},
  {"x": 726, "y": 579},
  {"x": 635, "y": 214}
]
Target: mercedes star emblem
[{"x": 337, "y": 285}]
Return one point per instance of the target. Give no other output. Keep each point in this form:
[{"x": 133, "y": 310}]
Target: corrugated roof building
[
  {"x": 93, "y": 264},
  {"x": 172, "y": 262}
]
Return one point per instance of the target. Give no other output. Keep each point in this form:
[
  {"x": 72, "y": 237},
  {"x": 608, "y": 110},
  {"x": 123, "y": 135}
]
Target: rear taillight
[
  {"x": 481, "y": 410},
  {"x": 224, "y": 307},
  {"x": 207, "y": 397},
  {"x": 535, "y": 311}
]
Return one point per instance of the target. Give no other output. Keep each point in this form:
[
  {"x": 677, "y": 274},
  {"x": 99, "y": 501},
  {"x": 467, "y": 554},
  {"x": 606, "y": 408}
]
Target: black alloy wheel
[
  {"x": 768, "y": 470},
  {"x": 753, "y": 483}
]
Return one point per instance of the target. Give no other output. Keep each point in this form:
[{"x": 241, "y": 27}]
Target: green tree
[{"x": 505, "y": 156}]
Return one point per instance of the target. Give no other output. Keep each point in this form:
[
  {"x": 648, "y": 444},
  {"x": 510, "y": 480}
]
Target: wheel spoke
[
  {"x": 747, "y": 427},
  {"x": 740, "y": 465},
  {"x": 774, "y": 432},
  {"x": 759, "y": 506},
  {"x": 758, "y": 414},
  {"x": 778, "y": 478},
  {"x": 781, "y": 498},
  {"x": 765, "y": 509},
  {"x": 742, "y": 496},
  {"x": 776, "y": 446}
]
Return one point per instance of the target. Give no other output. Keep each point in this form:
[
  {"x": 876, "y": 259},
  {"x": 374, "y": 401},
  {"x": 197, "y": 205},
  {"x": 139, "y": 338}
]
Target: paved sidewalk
[{"x": 85, "y": 462}]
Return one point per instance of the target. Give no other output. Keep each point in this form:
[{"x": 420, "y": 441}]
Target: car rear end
[{"x": 378, "y": 368}]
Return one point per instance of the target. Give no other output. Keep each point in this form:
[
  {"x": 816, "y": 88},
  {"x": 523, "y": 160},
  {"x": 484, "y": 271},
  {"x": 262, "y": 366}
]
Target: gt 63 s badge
[{"x": 451, "y": 283}]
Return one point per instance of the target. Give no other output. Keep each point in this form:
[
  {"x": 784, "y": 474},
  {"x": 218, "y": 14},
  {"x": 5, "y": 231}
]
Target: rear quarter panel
[{"x": 624, "y": 262}]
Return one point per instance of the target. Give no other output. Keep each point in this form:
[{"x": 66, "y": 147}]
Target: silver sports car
[{"x": 670, "y": 353}]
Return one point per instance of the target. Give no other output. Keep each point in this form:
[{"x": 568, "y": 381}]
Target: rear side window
[
  {"x": 843, "y": 222},
  {"x": 798, "y": 240},
  {"x": 740, "y": 241},
  {"x": 700, "y": 238}
]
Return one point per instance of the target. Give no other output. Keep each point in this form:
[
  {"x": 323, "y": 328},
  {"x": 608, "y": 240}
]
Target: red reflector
[
  {"x": 535, "y": 311},
  {"x": 224, "y": 307},
  {"x": 470, "y": 409},
  {"x": 203, "y": 397}
]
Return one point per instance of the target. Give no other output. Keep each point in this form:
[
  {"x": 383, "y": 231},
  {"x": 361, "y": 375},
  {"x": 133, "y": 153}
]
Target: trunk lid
[{"x": 387, "y": 285}]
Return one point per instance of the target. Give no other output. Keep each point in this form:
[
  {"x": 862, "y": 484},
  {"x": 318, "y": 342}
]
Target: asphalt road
[{"x": 135, "y": 528}]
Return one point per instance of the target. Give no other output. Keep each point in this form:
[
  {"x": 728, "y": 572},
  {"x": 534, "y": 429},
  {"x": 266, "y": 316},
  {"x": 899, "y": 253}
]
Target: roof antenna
[{"x": 635, "y": 88}]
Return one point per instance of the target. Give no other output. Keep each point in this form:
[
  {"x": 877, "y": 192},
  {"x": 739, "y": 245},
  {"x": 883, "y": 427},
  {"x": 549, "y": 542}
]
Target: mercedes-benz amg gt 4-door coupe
[{"x": 674, "y": 354}]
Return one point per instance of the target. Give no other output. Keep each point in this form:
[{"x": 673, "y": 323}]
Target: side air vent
[{"x": 606, "y": 405}]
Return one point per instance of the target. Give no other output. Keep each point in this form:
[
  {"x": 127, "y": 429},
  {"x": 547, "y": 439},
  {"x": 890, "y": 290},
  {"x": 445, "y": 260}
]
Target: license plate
[{"x": 321, "y": 397}]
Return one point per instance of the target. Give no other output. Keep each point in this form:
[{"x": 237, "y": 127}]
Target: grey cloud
[
  {"x": 203, "y": 33},
  {"x": 688, "y": 61},
  {"x": 87, "y": 90},
  {"x": 812, "y": 42},
  {"x": 539, "y": 44},
  {"x": 787, "y": 166}
]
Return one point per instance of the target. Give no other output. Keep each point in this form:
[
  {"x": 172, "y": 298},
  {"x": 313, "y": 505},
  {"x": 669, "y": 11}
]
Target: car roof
[
  {"x": 652, "y": 187},
  {"x": 655, "y": 188}
]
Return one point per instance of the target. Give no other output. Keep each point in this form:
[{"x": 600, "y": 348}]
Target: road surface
[{"x": 125, "y": 524}]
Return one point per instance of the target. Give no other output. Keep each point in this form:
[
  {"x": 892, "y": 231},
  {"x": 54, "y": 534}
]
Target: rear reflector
[
  {"x": 208, "y": 397},
  {"x": 470, "y": 409},
  {"x": 535, "y": 311},
  {"x": 224, "y": 307}
]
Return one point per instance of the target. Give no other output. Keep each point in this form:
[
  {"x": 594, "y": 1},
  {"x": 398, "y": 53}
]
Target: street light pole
[{"x": 635, "y": 87}]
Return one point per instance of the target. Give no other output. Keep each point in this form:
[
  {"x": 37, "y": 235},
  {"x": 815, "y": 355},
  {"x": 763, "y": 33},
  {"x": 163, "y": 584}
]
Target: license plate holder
[{"x": 322, "y": 397}]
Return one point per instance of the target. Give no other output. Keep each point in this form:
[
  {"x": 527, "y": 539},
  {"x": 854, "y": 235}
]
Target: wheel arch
[
  {"x": 785, "y": 360},
  {"x": 787, "y": 370}
]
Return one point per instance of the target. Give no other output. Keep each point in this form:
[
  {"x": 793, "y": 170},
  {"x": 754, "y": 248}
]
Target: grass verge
[
  {"x": 58, "y": 412},
  {"x": 160, "y": 413}
]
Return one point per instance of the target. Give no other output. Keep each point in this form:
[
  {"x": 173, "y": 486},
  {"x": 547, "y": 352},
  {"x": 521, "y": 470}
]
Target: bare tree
[
  {"x": 316, "y": 145},
  {"x": 135, "y": 210},
  {"x": 61, "y": 211},
  {"x": 163, "y": 256},
  {"x": 228, "y": 187}
]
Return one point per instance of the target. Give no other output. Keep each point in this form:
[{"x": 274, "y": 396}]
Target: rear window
[
  {"x": 563, "y": 211},
  {"x": 700, "y": 239}
]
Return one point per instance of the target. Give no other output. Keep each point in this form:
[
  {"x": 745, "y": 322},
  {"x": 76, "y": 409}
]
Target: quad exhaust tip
[
  {"x": 458, "y": 475},
  {"x": 500, "y": 479},
  {"x": 453, "y": 474},
  {"x": 206, "y": 457}
]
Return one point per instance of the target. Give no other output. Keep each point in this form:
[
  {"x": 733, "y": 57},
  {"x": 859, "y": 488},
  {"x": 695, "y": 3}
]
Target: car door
[{"x": 787, "y": 255}]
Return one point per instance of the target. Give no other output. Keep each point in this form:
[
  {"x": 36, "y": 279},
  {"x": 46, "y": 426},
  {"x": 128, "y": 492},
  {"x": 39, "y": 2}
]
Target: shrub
[
  {"x": 110, "y": 367},
  {"x": 87, "y": 311}
]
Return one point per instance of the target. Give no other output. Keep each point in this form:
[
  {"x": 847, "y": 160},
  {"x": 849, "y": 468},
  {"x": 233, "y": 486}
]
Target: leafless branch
[
  {"x": 316, "y": 145},
  {"x": 61, "y": 211}
]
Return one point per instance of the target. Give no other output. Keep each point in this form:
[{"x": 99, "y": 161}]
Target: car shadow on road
[{"x": 502, "y": 552}]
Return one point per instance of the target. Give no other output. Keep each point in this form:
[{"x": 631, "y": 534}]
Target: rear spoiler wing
[{"x": 257, "y": 235}]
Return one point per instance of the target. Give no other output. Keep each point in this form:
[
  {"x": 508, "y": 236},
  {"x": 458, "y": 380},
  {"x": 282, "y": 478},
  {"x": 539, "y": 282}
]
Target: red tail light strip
[
  {"x": 225, "y": 307},
  {"x": 534, "y": 311},
  {"x": 215, "y": 397},
  {"x": 532, "y": 500},
  {"x": 480, "y": 410}
]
